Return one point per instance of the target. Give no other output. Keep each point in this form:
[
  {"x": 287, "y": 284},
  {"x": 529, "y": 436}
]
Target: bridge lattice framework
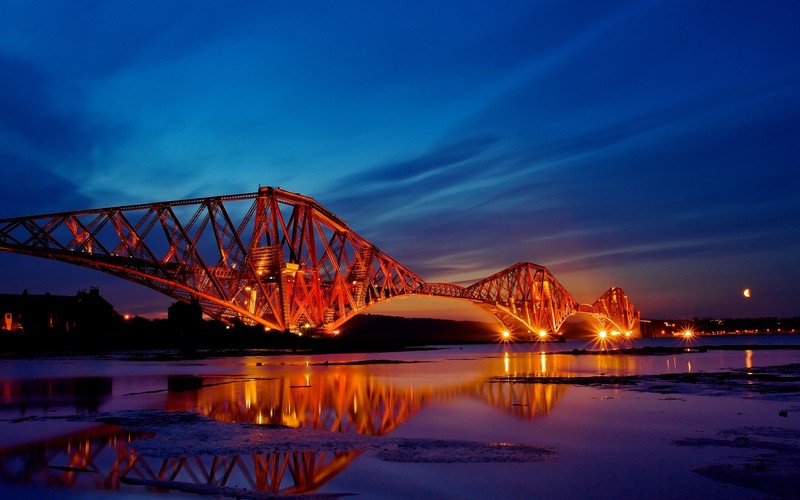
[{"x": 281, "y": 260}]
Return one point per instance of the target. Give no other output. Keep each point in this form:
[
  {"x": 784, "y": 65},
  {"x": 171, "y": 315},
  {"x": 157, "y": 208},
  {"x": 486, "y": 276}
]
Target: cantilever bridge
[{"x": 281, "y": 260}]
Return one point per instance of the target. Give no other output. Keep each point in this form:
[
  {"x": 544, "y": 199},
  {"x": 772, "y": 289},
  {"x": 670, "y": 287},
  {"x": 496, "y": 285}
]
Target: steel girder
[
  {"x": 526, "y": 293},
  {"x": 288, "y": 263},
  {"x": 615, "y": 307},
  {"x": 278, "y": 259}
]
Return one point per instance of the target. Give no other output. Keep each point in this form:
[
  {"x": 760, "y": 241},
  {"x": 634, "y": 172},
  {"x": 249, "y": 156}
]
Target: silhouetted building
[
  {"x": 84, "y": 313},
  {"x": 185, "y": 313}
]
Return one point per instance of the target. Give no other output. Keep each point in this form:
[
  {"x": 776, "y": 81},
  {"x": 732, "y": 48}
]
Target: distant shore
[{"x": 278, "y": 344}]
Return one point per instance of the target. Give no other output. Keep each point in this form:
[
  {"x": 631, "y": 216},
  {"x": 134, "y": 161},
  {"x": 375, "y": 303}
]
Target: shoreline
[{"x": 338, "y": 346}]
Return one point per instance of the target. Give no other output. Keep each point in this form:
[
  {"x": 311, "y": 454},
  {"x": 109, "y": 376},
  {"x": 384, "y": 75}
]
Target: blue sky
[{"x": 652, "y": 145}]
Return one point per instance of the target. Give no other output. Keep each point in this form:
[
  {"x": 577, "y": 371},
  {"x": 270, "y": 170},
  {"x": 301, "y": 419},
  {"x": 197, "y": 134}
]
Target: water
[{"x": 452, "y": 406}]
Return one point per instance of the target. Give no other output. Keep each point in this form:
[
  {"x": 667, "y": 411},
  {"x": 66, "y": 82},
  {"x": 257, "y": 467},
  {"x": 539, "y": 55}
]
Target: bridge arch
[{"x": 278, "y": 259}]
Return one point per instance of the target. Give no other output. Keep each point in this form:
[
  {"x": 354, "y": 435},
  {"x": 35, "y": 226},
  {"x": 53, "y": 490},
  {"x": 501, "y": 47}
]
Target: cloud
[
  {"x": 28, "y": 188},
  {"x": 29, "y": 118},
  {"x": 41, "y": 141},
  {"x": 436, "y": 161}
]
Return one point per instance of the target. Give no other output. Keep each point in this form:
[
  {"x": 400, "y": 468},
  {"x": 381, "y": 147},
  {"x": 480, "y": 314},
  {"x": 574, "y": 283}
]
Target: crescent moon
[{"x": 746, "y": 293}]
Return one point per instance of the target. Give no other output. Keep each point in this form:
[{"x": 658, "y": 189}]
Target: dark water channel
[{"x": 452, "y": 422}]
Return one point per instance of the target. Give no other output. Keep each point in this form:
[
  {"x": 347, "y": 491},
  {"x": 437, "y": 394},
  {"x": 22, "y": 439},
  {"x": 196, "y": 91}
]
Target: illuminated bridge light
[{"x": 602, "y": 334}]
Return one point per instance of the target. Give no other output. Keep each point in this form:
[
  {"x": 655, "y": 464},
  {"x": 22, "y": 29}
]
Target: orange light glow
[
  {"x": 602, "y": 334},
  {"x": 506, "y": 335},
  {"x": 542, "y": 334},
  {"x": 688, "y": 333},
  {"x": 127, "y": 317}
]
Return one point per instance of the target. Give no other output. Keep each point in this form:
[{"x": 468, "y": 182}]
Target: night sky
[{"x": 651, "y": 145}]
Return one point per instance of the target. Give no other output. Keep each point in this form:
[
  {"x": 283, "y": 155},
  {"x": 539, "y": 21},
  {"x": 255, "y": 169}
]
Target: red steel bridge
[{"x": 281, "y": 260}]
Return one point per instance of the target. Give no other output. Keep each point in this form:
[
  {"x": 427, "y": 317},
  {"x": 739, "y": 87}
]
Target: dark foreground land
[{"x": 364, "y": 333}]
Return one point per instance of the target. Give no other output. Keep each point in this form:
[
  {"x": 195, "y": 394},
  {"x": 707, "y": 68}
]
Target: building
[{"x": 83, "y": 313}]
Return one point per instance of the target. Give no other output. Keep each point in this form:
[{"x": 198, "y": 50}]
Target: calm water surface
[{"x": 607, "y": 442}]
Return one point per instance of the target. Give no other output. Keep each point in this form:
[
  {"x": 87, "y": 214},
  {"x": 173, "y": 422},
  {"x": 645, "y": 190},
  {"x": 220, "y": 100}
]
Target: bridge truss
[{"x": 278, "y": 259}]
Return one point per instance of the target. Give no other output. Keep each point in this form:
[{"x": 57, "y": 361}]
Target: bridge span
[{"x": 281, "y": 260}]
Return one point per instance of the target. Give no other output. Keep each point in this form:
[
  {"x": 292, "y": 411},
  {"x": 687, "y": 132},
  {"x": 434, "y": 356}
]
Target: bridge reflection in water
[{"x": 341, "y": 399}]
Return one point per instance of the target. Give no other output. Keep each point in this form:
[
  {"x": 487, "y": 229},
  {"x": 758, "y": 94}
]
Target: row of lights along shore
[{"x": 601, "y": 335}]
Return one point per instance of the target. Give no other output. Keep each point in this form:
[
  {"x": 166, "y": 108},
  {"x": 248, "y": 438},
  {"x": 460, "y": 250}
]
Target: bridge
[{"x": 281, "y": 260}]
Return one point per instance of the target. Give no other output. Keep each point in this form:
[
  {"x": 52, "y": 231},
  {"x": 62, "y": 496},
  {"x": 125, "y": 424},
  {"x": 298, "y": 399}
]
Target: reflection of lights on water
[
  {"x": 543, "y": 361},
  {"x": 689, "y": 364},
  {"x": 505, "y": 361},
  {"x": 748, "y": 358}
]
